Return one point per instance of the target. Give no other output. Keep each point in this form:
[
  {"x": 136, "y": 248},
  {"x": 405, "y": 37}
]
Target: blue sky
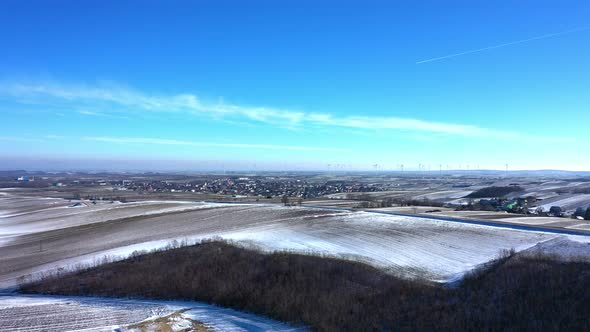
[{"x": 295, "y": 84}]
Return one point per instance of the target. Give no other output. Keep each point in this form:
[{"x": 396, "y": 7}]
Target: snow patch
[{"x": 568, "y": 248}]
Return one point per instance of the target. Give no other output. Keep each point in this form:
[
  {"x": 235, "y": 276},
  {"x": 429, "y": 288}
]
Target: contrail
[{"x": 555, "y": 34}]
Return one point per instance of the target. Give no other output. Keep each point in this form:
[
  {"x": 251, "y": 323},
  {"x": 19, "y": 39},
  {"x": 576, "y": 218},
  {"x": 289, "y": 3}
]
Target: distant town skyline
[{"x": 295, "y": 85}]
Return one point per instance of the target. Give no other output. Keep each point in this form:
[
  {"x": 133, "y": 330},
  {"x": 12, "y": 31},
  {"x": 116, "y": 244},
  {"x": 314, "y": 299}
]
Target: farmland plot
[
  {"x": 71, "y": 313},
  {"x": 438, "y": 250}
]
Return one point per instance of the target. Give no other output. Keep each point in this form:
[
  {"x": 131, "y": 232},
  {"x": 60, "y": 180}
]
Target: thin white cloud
[
  {"x": 91, "y": 113},
  {"x": 549, "y": 35},
  {"x": 111, "y": 98},
  {"x": 160, "y": 141},
  {"x": 101, "y": 114}
]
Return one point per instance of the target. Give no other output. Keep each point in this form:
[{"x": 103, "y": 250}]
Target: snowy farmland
[
  {"x": 42, "y": 234},
  {"x": 71, "y": 313},
  {"x": 567, "y": 202},
  {"x": 411, "y": 247}
]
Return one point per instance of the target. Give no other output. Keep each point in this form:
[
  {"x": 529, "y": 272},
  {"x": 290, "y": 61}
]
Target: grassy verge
[{"x": 513, "y": 293}]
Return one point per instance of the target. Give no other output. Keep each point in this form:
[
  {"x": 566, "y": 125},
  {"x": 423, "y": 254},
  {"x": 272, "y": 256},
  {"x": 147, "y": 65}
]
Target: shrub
[{"x": 515, "y": 292}]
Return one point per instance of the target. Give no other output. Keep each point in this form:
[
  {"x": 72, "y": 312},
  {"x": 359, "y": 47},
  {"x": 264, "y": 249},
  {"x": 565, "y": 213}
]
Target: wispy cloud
[
  {"x": 160, "y": 141},
  {"x": 549, "y": 35},
  {"x": 91, "y": 113},
  {"x": 110, "y": 98},
  {"x": 101, "y": 114}
]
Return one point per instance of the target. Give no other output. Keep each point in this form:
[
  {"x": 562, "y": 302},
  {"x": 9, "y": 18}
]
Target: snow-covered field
[
  {"x": 438, "y": 250},
  {"x": 70, "y": 313},
  {"x": 47, "y": 240},
  {"x": 33, "y": 214},
  {"x": 567, "y": 248},
  {"x": 40, "y": 234},
  {"x": 567, "y": 202},
  {"x": 445, "y": 195}
]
